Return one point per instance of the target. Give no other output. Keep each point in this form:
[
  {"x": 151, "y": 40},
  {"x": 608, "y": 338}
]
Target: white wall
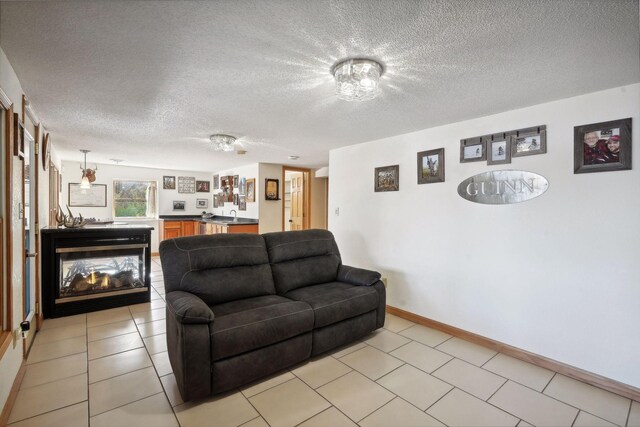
[
  {"x": 558, "y": 275},
  {"x": 107, "y": 173},
  {"x": 270, "y": 210},
  {"x": 248, "y": 172}
]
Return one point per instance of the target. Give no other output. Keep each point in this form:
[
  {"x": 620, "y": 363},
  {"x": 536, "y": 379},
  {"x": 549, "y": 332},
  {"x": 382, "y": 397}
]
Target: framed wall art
[
  {"x": 178, "y": 205},
  {"x": 387, "y": 178},
  {"x": 602, "y": 147},
  {"x": 186, "y": 184},
  {"x": 243, "y": 186},
  {"x": 215, "y": 201},
  {"x": 236, "y": 179},
  {"x": 18, "y": 137},
  {"x": 202, "y": 203},
  {"x": 168, "y": 182},
  {"x": 528, "y": 142},
  {"x": 203, "y": 186},
  {"x": 431, "y": 166},
  {"x": 271, "y": 189},
  {"x": 95, "y": 197},
  {"x": 499, "y": 150},
  {"x": 251, "y": 190},
  {"x": 473, "y": 150},
  {"x": 236, "y": 199},
  {"x": 216, "y": 182},
  {"x": 242, "y": 203}
]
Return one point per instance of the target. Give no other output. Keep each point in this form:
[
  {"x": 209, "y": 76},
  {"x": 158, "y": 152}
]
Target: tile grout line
[
  {"x": 121, "y": 406},
  {"x": 626, "y": 423},
  {"x": 48, "y": 412},
  {"x": 490, "y": 359},
  {"x": 552, "y": 377}
]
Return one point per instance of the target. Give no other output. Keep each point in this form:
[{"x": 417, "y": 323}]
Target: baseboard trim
[
  {"x": 570, "y": 371},
  {"x": 11, "y": 399}
]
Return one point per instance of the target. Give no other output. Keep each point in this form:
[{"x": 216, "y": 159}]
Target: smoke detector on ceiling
[
  {"x": 294, "y": 157},
  {"x": 241, "y": 152}
]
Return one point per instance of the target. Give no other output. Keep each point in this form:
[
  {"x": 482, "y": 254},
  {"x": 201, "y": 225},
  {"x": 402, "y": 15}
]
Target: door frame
[
  {"x": 6, "y": 329},
  {"x": 306, "y": 178}
]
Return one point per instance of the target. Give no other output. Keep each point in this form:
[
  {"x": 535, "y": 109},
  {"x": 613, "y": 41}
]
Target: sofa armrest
[
  {"x": 357, "y": 276},
  {"x": 187, "y": 308}
]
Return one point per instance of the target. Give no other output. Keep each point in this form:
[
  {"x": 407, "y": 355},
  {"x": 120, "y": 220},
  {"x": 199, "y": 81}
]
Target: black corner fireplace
[{"x": 93, "y": 268}]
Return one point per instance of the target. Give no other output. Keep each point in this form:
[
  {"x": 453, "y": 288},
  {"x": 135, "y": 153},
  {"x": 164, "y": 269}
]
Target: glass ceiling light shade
[
  {"x": 357, "y": 79},
  {"x": 222, "y": 142}
]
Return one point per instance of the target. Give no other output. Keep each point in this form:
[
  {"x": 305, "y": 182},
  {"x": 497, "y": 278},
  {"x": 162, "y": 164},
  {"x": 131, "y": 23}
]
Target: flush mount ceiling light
[
  {"x": 222, "y": 142},
  {"x": 357, "y": 79}
]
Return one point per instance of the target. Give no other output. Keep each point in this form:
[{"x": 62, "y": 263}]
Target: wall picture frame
[
  {"x": 236, "y": 181},
  {"x": 271, "y": 189},
  {"x": 499, "y": 150},
  {"x": 216, "y": 182},
  {"x": 236, "y": 199},
  {"x": 202, "y": 203},
  {"x": 602, "y": 147},
  {"x": 168, "y": 182},
  {"x": 186, "y": 184},
  {"x": 529, "y": 142},
  {"x": 94, "y": 197},
  {"x": 18, "y": 137},
  {"x": 215, "y": 201},
  {"x": 251, "y": 190},
  {"x": 242, "y": 203},
  {"x": 242, "y": 188},
  {"x": 179, "y": 205},
  {"x": 431, "y": 166},
  {"x": 473, "y": 150},
  {"x": 203, "y": 186},
  {"x": 386, "y": 178}
]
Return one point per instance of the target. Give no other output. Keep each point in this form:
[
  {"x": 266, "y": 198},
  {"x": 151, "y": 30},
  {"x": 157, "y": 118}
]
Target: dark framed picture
[
  {"x": 236, "y": 180},
  {"x": 431, "y": 166},
  {"x": 18, "y": 137},
  {"x": 178, "y": 205},
  {"x": 602, "y": 147},
  {"x": 186, "y": 184},
  {"x": 202, "y": 203},
  {"x": 271, "y": 189},
  {"x": 216, "y": 182},
  {"x": 96, "y": 196},
  {"x": 243, "y": 186},
  {"x": 168, "y": 182},
  {"x": 387, "y": 178},
  {"x": 251, "y": 190},
  {"x": 473, "y": 150},
  {"x": 203, "y": 186},
  {"x": 242, "y": 203},
  {"x": 236, "y": 199},
  {"x": 499, "y": 151},
  {"x": 215, "y": 200},
  {"x": 529, "y": 142}
]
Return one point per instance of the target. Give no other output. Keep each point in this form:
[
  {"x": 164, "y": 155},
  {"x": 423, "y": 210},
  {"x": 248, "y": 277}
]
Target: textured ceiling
[{"x": 148, "y": 82}]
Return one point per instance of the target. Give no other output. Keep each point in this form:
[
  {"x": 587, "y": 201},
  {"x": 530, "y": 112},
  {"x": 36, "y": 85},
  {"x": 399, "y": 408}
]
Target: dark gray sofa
[{"x": 242, "y": 306}]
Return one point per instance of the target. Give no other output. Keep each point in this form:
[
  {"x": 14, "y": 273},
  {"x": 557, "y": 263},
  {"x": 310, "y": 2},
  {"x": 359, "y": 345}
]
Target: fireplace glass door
[{"x": 98, "y": 271}]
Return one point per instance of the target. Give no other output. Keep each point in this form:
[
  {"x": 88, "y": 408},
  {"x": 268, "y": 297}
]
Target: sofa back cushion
[
  {"x": 302, "y": 258},
  {"x": 217, "y": 268}
]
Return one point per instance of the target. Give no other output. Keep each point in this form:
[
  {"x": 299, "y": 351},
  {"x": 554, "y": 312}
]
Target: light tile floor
[{"x": 110, "y": 368}]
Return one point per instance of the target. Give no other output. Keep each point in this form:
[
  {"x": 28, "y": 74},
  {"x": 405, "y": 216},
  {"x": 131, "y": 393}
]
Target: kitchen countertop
[{"x": 217, "y": 219}]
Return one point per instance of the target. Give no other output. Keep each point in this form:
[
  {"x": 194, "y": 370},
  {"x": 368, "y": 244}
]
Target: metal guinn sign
[{"x": 503, "y": 187}]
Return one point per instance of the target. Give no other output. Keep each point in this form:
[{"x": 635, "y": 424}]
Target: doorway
[
  {"x": 296, "y": 211},
  {"x": 30, "y": 235}
]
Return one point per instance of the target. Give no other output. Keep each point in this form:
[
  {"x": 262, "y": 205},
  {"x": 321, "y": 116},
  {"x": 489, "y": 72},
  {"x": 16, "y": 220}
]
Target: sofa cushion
[
  {"x": 302, "y": 258},
  {"x": 217, "y": 268},
  {"x": 252, "y": 323},
  {"x": 336, "y": 301}
]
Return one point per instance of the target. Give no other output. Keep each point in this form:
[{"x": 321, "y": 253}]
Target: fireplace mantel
[{"x": 94, "y": 268}]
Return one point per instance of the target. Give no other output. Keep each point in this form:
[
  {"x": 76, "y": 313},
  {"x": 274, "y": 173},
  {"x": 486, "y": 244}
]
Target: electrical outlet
[{"x": 337, "y": 211}]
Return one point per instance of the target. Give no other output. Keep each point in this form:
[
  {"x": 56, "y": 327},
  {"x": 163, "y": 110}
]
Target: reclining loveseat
[{"x": 243, "y": 306}]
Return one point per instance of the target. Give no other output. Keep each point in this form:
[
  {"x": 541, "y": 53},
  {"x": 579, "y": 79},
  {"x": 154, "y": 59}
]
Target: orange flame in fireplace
[
  {"x": 105, "y": 282},
  {"x": 92, "y": 280}
]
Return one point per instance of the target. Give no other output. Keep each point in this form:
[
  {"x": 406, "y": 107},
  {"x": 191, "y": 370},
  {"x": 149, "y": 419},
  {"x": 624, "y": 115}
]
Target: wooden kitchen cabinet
[{"x": 172, "y": 229}]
